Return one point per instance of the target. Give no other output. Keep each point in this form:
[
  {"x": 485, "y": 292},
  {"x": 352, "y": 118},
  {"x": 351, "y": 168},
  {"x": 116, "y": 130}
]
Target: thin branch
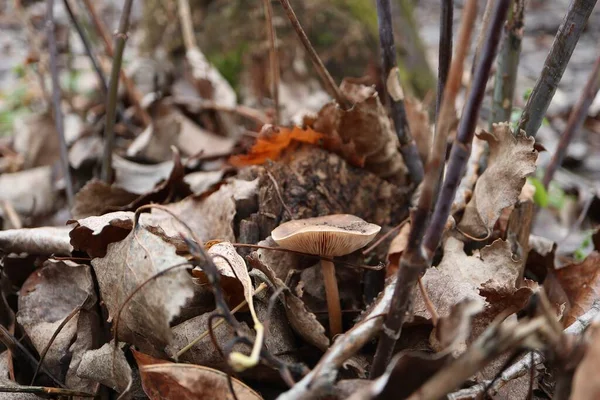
[
  {"x": 88, "y": 47},
  {"x": 466, "y": 129},
  {"x": 56, "y": 100},
  {"x": 576, "y": 119},
  {"x": 445, "y": 49},
  {"x": 326, "y": 79},
  {"x": 46, "y": 391},
  {"x": 485, "y": 22},
  {"x": 132, "y": 93},
  {"x": 408, "y": 147},
  {"x": 556, "y": 62},
  {"x": 273, "y": 57},
  {"x": 187, "y": 26},
  {"x": 111, "y": 101},
  {"x": 507, "y": 65},
  {"x": 413, "y": 261}
]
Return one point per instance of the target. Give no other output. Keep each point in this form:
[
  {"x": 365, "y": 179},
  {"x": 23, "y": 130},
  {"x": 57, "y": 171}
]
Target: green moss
[{"x": 230, "y": 63}]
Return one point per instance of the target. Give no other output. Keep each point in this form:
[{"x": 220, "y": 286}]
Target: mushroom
[{"x": 327, "y": 236}]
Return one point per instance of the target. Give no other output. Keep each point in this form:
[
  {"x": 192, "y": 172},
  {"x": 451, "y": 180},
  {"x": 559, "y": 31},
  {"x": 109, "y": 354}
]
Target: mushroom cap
[{"x": 330, "y": 235}]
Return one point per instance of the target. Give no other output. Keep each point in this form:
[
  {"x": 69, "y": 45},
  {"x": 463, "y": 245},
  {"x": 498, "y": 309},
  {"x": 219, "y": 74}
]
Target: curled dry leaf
[
  {"x": 202, "y": 181},
  {"x": 578, "y": 284},
  {"x": 380, "y": 147},
  {"x": 31, "y": 192},
  {"x": 235, "y": 280},
  {"x": 460, "y": 276},
  {"x": 185, "y": 381},
  {"x": 97, "y": 365},
  {"x": 46, "y": 298},
  {"x": 302, "y": 321},
  {"x": 94, "y": 234},
  {"x": 397, "y": 247},
  {"x": 452, "y": 333},
  {"x": 511, "y": 160},
  {"x": 127, "y": 265},
  {"x": 97, "y": 197},
  {"x": 39, "y": 241},
  {"x": 209, "y": 81},
  {"x": 36, "y": 139},
  {"x": 585, "y": 381}
]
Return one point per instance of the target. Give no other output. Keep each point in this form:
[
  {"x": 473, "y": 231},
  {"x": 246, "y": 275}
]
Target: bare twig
[
  {"x": 326, "y": 78},
  {"x": 17, "y": 349},
  {"x": 507, "y": 65},
  {"x": 187, "y": 26},
  {"x": 495, "y": 341},
  {"x": 445, "y": 49},
  {"x": 56, "y": 100},
  {"x": 413, "y": 261},
  {"x": 485, "y": 21},
  {"x": 466, "y": 129},
  {"x": 279, "y": 196},
  {"x": 576, "y": 119},
  {"x": 111, "y": 101},
  {"x": 273, "y": 56},
  {"x": 45, "y": 391},
  {"x": 88, "y": 47},
  {"x": 132, "y": 93},
  {"x": 556, "y": 62},
  {"x": 11, "y": 214},
  {"x": 408, "y": 147}
]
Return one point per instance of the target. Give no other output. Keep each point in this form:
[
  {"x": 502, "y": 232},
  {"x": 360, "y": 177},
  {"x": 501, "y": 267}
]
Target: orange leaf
[{"x": 271, "y": 147}]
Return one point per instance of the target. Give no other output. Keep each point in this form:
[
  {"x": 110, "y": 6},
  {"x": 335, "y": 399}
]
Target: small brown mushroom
[{"x": 328, "y": 236}]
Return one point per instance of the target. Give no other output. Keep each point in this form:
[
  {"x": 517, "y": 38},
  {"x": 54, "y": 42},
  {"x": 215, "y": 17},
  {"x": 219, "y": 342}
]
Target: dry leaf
[
  {"x": 270, "y": 146},
  {"x": 94, "y": 234},
  {"x": 452, "y": 333},
  {"x": 511, "y": 160},
  {"x": 460, "y": 276},
  {"x": 97, "y": 365},
  {"x": 207, "y": 76},
  {"x": 39, "y": 241},
  {"x": 397, "y": 247},
  {"x": 302, "y": 321},
  {"x": 36, "y": 139},
  {"x": 31, "y": 192},
  {"x": 140, "y": 178},
  {"x": 128, "y": 264},
  {"x": 169, "y": 381},
  {"x": 97, "y": 197},
  {"x": 580, "y": 283},
  {"x": 585, "y": 381},
  {"x": 202, "y": 181},
  {"x": 235, "y": 281},
  {"x": 48, "y": 296},
  {"x": 367, "y": 126},
  {"x": 420, "y": 127}
]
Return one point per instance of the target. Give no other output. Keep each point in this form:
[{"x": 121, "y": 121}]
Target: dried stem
[
  {"x": 466, "y": 129},
  {"x": 326, "y": 78},
  {"x": 111, "y": 101},
  {"x": 44, "y": 391},
  {"x": 132, "y": 93},
  {"x": 56, "y": 100},
  {"x": 445, "y": 49},
  {"x": 187, "y": 26},
  {"x": 273, "y": 57},
  {"x": 485, "y": 22},
  {"x": 408, "y": 147},
  {"x": 88, "y": 47},
  {"x": 413, "y": 261},
  {"x": 333, "y": 298},
  {"x": 556, "y": 62},
  {"x": 576, "y": 119},
  {"x": 507, "y": 65}
]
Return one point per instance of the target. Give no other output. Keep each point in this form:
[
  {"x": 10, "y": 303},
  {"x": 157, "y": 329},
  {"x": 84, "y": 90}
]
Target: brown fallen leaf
[
  {"x": 94, "y": 234},
  {"x": 48, "y": 296},
  {"x": 511, "y": 160},
  {"x": 39, "y": 241},
  {"x": 380, "y": 148},
  {"x": 18, "y": 189},
  {"x": 36, "y": 139},
  {"x": 128, "y": 264},
  {"x": 580, "y": 283},
  {"x": 208, "y": 80},
  {"x": 170, "y": 381},
  {"x": 460, "y": 276},
  {"x": 107, "y": 367},
  {"x": 97, "y": 197},
  {"x": 420, "y": 127},
  {"x": 585, "y": 381},
  {"x": 202, "y": 181},
  {"x": 452, "y": 333},
  {"x": 397, "y": 247},
  {"x": 302, "y": 321}
]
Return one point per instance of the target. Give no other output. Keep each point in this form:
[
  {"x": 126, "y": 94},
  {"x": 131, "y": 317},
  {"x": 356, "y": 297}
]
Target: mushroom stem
[{"x": 333, "y": 298}]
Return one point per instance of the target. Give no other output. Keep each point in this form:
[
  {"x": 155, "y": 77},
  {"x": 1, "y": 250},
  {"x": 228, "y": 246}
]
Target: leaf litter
[{"x": 165, "y": 282}]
